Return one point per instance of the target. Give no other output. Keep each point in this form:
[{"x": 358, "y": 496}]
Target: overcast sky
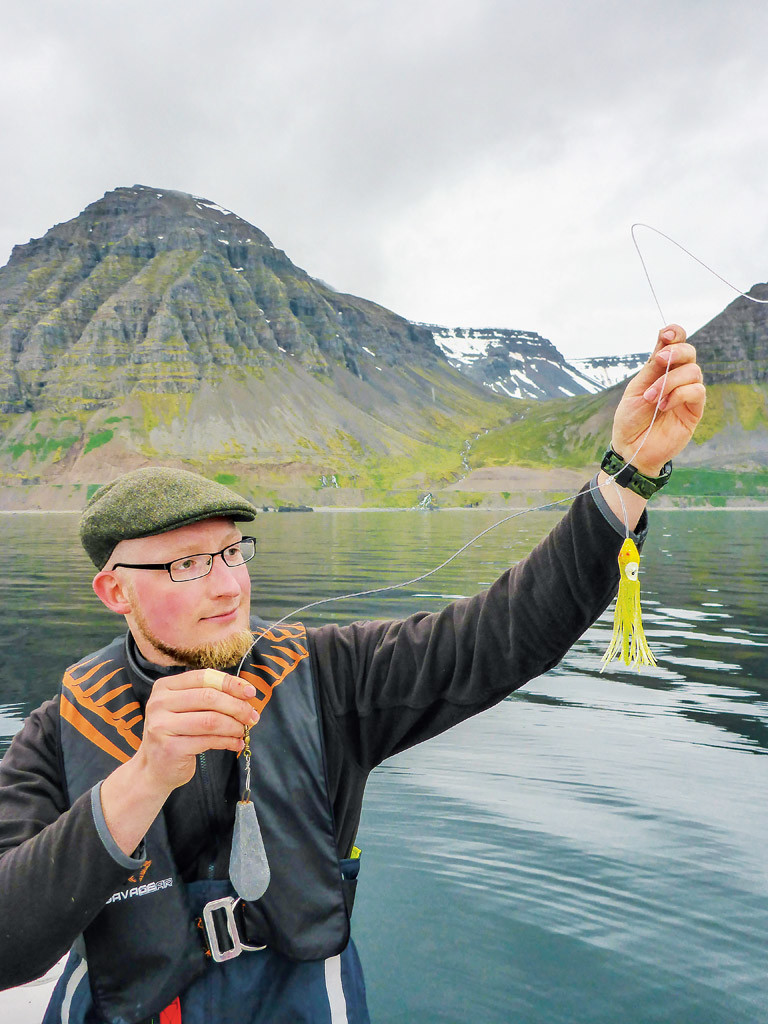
[{"x": 474, "y": 163}]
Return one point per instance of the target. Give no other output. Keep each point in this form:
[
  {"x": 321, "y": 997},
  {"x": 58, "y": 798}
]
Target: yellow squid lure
[{"x": 628, "y": 641}]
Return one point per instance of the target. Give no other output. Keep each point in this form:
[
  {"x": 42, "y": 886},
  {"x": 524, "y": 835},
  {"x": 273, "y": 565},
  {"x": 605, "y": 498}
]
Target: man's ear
[{"x": 111, "y": 592}]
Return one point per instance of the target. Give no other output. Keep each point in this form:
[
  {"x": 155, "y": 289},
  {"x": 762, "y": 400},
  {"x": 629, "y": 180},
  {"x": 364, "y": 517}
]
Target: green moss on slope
[
  {"x": 568, "y": 432},
  {"x": 98, "y": 439},
  {"x": 745, "y": 405},
  {"x": 574, "y": 432}
]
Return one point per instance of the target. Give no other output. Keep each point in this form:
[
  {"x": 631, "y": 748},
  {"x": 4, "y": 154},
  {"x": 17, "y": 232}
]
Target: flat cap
[{"x": 153, "y": 500}]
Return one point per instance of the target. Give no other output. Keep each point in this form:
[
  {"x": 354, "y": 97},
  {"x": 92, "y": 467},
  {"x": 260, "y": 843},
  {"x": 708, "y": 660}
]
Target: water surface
[{"x": 592, "y": 849}]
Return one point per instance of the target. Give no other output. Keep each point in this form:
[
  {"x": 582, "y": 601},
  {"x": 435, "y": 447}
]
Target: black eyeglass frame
[{"x": 197, "y": 554}]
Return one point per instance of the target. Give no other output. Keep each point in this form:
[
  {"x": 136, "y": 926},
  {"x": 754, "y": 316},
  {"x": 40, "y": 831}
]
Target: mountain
[
  {"x": 609, "y": 370},
  {"x": 159, "y": 326},
  {"x": 733, "y": 346},
  {"x": 519, "y": 364},
  {"x": 733, "y": 352},
  {"x": 158, "y": 291},
  {"x": 727, "y": 460}
]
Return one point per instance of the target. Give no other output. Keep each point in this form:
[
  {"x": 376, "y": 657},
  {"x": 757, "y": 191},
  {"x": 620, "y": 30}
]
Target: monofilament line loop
[
  {"x": 701, "y": 263},
  {"x": 688, "y": 253},
  {"x": 550, "y": 504}
]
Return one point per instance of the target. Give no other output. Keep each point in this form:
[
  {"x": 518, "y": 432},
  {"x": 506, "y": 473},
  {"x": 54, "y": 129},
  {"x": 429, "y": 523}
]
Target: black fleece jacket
[{"x": 383, "y": 687}]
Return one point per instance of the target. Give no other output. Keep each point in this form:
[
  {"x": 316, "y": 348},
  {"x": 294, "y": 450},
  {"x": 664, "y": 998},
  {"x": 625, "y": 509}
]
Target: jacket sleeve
[
  {"x": 55, "y": 871},
  {"x": 389, "y": 685}
]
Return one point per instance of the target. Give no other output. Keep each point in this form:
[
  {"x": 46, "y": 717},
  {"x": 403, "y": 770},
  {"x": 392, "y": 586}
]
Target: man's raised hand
[{"x": 680, "y": 409}]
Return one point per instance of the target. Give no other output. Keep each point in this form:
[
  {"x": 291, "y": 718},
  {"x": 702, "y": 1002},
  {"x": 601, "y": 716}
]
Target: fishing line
[
  {"x": 664, "y": 320},
  {"x": 416, "y": 579},
  {"x": 696, "y": 259},
  {"x": 538, "y": 508}
]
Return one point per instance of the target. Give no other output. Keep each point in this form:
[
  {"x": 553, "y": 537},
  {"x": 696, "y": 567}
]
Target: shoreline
[{"x": 447, "y": 508}]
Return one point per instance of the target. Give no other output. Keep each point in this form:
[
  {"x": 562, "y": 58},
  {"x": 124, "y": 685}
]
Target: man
[{"x": 117, "y": 799}]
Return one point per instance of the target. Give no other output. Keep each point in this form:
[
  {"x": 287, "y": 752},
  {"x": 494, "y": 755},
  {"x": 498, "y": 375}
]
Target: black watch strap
[{"x": 625, "y": 474}]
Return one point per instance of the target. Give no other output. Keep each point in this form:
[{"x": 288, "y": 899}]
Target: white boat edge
[{"x": 26, "y": 1004}]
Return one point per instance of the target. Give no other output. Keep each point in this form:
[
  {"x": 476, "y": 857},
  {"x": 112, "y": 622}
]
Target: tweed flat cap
[{"x": 153, "y": 500}]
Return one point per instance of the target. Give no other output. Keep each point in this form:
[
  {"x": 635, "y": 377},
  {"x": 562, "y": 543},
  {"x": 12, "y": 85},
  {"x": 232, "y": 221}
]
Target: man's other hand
[
  {"x": 189, "y": 713},
  {"x": 186, "y": 714}
]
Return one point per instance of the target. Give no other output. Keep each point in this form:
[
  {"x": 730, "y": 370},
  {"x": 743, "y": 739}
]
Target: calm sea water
[{"x": 592, "y": 850}]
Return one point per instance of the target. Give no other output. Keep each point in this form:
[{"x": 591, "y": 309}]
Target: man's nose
[{"x": 224, "y": 578}]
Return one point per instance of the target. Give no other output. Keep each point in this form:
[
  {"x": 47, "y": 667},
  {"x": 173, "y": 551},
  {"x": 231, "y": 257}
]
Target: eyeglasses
[{"x": 193, "y": 567}]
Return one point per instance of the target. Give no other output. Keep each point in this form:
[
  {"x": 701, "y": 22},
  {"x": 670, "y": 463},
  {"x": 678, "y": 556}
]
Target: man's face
[{"x": 171, "y": 621}]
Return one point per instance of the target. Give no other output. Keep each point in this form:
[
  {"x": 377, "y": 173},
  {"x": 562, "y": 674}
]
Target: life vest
[{"x": 144, "y": 948}]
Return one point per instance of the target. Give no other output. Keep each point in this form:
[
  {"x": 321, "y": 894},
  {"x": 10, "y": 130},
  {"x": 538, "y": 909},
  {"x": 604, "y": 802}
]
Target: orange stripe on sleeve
[{"x": 70, "y": 714}]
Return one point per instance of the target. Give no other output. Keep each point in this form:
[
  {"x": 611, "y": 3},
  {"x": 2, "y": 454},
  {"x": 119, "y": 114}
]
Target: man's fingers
[
  {"x": 188, "y": 692},
  {"x": 671, "y": 380},
  {"x": 190, "y": 746},
  {"x": 201, "y": 699},
  {"x": 204, "y": 723},
  {"x": 688, "y": 373},
  {"x": 692, "y": 396},
  {"x": 214, "y": 678},
  {"x": 672, "y": 334},
  {"x": 670, "y": 340},
  {"x": 211, "y": 678},
  {"x": 675, "y": 354}
]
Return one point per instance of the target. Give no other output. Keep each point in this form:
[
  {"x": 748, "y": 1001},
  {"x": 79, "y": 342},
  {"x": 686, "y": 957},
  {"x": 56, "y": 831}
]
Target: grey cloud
[{"x": 326, "y": 123}]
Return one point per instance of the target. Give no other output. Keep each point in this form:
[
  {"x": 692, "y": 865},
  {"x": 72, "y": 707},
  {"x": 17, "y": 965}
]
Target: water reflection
[{"x": 590, "y": 850}]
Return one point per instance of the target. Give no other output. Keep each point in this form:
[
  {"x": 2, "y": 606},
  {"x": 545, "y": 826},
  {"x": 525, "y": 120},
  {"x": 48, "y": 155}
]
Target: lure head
[{"x": 629, "y": 561}]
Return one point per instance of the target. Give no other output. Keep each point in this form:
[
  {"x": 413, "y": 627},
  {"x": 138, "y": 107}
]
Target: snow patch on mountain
[
  {"x": 610, "y": 370},
  {"x": 520, "y": 364}
]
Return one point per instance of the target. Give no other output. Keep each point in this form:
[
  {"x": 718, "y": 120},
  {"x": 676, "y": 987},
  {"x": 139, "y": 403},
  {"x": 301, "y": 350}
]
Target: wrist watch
[{"x": 626, "y": 475}]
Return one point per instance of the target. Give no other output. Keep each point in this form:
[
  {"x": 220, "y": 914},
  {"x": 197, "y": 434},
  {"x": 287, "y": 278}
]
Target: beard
[{"x": 218, "y": 654}]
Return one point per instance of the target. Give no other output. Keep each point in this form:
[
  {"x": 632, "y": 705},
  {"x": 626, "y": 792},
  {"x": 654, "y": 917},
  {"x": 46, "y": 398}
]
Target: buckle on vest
[{"x": 226, "y": 905}]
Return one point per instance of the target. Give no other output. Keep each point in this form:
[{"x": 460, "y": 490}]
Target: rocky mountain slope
[
  {"x": 728, "y": 458},
  {"x": 733, "y": 346},
  {"x": 160, "y": 326},
  {"x": 158, "y": 291}
]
